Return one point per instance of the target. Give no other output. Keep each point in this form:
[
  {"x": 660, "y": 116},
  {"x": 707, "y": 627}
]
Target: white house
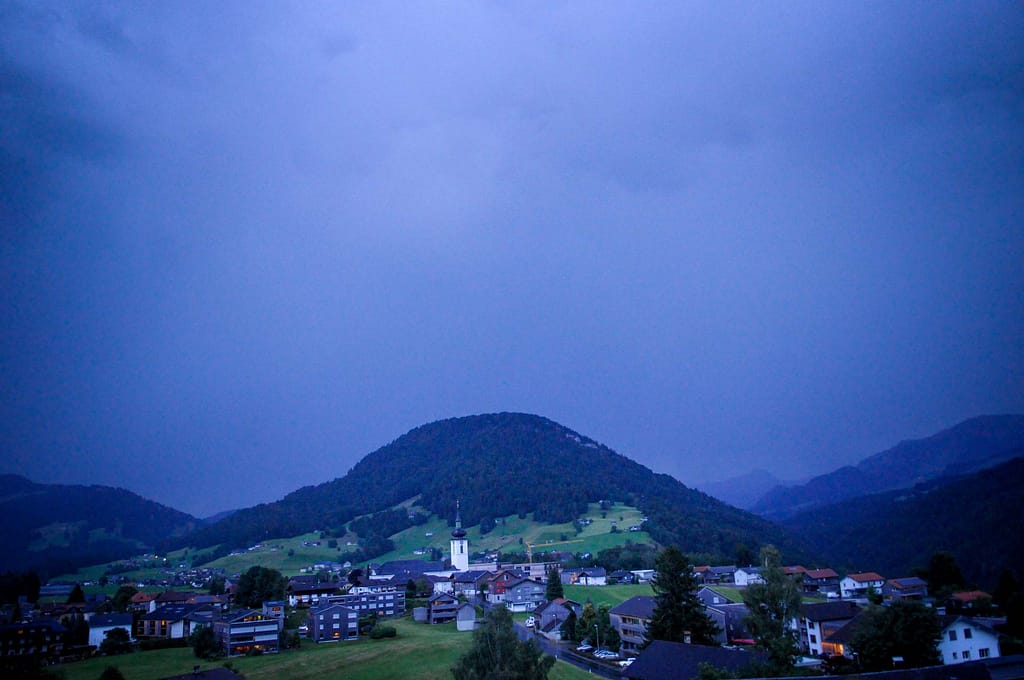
[
  {"x": 745, "y": 576},
  {"x": 964, "y": 639},
  {"x": 465, "y": 617},
  {"x": 593, "y": 576},
  {"x": 99, "y": 624},
  {"x": 857, "y": 585}
]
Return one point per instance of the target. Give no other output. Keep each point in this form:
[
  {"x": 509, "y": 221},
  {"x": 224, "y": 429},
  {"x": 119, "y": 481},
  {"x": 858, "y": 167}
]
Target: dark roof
[
  {"x": 405, "y": 567},
  {"x": 594, "y": 571},
  {"x": 830, "y": 611},
  {"x": 844, "y": 635},
  {"x": 974, "y": 670},
  {"x": 909, "y": 582},
  {"x": 950, "y": 619},
  {"x": 105, "y": 620},
  {"x": 640, "y": 606},
  {"x": 676, "y": 661},
  {"x": 469, "y": 576},
  {"x": 170, "y": 612}
]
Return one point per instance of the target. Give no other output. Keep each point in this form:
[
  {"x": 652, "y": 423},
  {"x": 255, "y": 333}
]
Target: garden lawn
[
  {"x": 419, "y": 651},
  {"x": 609, "y": 595}
]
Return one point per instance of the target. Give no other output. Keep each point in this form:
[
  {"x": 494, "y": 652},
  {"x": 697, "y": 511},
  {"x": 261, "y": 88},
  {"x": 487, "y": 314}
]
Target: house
[
  {"x": 551, "y": 615},
  {"x": 967, "y": 601},
  {"x": 303, "y": 592},
  {"x": 274, "y": 609},
  {"x": 465, "y": 617},
  {"x": 677, "y": 661},
  {"x": 622, "y": 576},
  {"x": 966, "y": 639},
  {"x": 498, "y": 582},
  {"x": 745, "y": 576},
  {"x": 643, "y": 575},
  {"x": 140, "y": 602},
  {"x": 404, "y": 569},
  {"x": 331, "y": 622},
  {"x": 384, "y": 604},
  {"x": 523, "y": 595},
  {"x": 630, "y": 620},
  {"x": 168, "y": 621},
  {"x": 857, "y": 585},
  {"x": 469, "y": 583},
  {"x": 713, "y": 575},
  {"x": 821, "y": 581},
  {"x": 910, "y": 588},
  {"x": 730, "y": 619},
  {"x": 593, "y": 576},
  {"x": 819, "y": 621},
  {"x": 442, "y": 608},
  {"x": 246, "y": 632},
  {"x": 711, "y": 597},
  {"x": 100, "y": 624},
  {"x": 797, "y": 571},
  {"x": 39, "y": 638}
]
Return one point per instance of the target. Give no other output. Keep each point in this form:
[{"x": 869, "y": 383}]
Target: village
[{"x": 319, "y": 607}]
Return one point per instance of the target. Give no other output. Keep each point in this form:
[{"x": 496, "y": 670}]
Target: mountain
[
  {"x": 54, "y": 527},
  {"x": 975, "y": 517},
  {"x": 499, "y": 465},
  {"x": 968, "y": 447},
  {"x": 743, "y": 491}
]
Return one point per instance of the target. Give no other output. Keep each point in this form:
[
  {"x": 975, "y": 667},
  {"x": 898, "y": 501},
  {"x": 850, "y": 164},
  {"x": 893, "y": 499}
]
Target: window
[
  {"x": 983, "y": 652},
  {"x": 956, "y": 655},
  {"x": 952, "y": 636},
  {"x": 967, "y": 633},
  {"x": 814, "y": 639},
  {"x": 967, "y": 654}
]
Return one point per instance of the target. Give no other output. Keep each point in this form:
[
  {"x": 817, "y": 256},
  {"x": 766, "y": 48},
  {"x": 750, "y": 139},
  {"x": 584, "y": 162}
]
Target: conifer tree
[
  {"x": 679, "y": 615},
  {"x": 554, "y": 588}
]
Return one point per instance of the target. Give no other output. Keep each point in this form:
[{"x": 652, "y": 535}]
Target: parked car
[
  {"x": 584, "y": 648},
  {"x": 625, "y": 662},
  {"x": 530, "y": 621},
  {"x": 606, "y": 654}
]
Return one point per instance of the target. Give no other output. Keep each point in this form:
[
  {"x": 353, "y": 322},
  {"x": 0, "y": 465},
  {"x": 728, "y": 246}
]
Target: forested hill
[
  {"x": 499, "y": 465},
  {"x": 56, "y": 527},
  {"x": 975, "y": 517},
  {"x": 972, "y": 445}
]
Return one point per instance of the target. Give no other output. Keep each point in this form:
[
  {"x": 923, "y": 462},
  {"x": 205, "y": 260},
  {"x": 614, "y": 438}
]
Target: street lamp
[{"x": 597, "y": 634}]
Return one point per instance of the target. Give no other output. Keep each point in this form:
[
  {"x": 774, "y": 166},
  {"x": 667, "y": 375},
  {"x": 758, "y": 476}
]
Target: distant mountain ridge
[
  {"x": 498, "y": 465},
  {"x": 970, "y": 446},
  {"x": 976, "y": 517},
  {"x": 742, "y": 491},
  {"x": 56, "y": 527}
]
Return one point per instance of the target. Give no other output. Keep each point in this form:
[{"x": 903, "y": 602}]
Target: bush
[{"x": 379, "y": 632}]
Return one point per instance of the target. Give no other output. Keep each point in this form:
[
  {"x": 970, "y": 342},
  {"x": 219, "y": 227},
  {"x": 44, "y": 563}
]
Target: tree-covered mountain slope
[
  {"x": 55, "y": 527},
  {"x": 968, "y": 447},
  {"x": 976, "y": 517},
  {"x": 498, "y": 465}
]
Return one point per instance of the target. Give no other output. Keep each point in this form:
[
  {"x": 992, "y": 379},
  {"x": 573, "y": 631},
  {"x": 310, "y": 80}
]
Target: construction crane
[{"x": 530, "y": 546}]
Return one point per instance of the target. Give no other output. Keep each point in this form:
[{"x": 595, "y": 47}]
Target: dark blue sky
[{"x": 244, "y": 244}]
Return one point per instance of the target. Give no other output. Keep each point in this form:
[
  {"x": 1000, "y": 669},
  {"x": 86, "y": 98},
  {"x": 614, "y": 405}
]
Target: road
[{"x": 569, "y": 654}]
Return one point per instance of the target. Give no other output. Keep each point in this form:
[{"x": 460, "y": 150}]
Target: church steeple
[
  {"x": 459, "y": 543},
  {"x": 458, "y": 532}
]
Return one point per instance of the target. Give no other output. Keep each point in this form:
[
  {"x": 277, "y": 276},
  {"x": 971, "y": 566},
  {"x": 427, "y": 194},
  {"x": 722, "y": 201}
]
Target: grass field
[
  {"x": 419, "y": 651},
  {"x": 609, "y": 595}
]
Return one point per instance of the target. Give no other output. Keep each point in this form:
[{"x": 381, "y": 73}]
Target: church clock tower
[{"x": 460, "y": 546}]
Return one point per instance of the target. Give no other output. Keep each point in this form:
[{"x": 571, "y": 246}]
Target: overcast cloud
[{"x": 244, "y": 244}]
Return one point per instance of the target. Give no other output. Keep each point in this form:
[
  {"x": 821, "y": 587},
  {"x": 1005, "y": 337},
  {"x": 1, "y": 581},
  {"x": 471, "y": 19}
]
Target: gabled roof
[
  {"x": 794, "y": 569},
  {"x": 141, "y": 597},
  {"x": 170, "y": 612},
  {"x": 865, "y": 577},
  {"x": 821, "y": 573},
  {"x": 909, "y": 582},
  {"x": 405, "y": 567},
  {"x": 638, "y": 606},
  {"x": 470, "y": 576},
  {"x": 674, "y": 660},
  {"x": 593, "y": 572},
  {"x": 971, "y": 595},
  {"x": 830, "y": 611},
  {"x": 750, "y": 570},
  {"x": 232, "y": 617},
  {"x": 952, "y": 620},
  {"x": 111, "y": 620},
  {"x": 169, "y": 596}
]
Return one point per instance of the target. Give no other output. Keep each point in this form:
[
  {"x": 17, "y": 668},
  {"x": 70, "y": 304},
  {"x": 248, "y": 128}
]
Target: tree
[
  {"x": 568, "y": 627},
  {"x": 112, "y": 673},
  {"x": 943, "y": 575},
  {"x": 116, "y": 641},
  {"x": 77, "y": 594},
  {"x": 217, "y": 585},
  {"x": 679, "y": 614},
  {"x": 554, "y": 588},
  {"x": 772, "y": 605},
  {"x": 259, "y": 584},
  {"x": 498, "y": 654},
  {"x": 123, "y": 598},
  {"x": 204, "y": 643},
  {"x": 906, "y": 629}
]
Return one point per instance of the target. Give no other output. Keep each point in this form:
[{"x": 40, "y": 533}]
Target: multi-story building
[
  {"x": 246, "y": 632},
  {"x": 331, "y": 622},
  {"x": 630, "y": 619}
]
